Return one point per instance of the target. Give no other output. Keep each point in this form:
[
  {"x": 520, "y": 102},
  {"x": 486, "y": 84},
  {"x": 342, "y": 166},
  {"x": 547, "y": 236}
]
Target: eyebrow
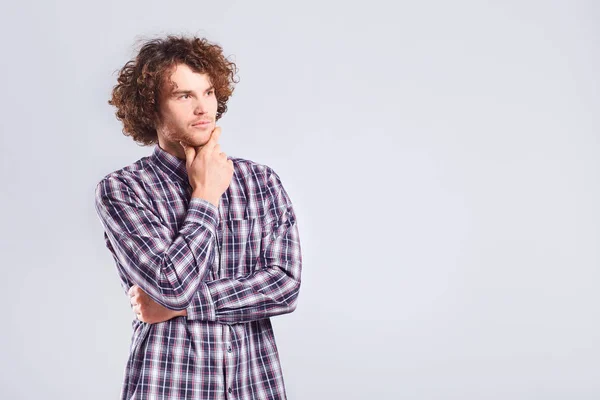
[{"x": 176, "y": 92}]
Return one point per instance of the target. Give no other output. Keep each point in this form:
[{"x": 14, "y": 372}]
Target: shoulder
[
  {"x": 125, "y": 179},
  {"x": 246, "y": 170},
  {"x": 259, "y": 183}
]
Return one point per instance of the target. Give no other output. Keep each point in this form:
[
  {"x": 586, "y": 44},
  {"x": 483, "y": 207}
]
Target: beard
[{"x": 192, "y": 136}]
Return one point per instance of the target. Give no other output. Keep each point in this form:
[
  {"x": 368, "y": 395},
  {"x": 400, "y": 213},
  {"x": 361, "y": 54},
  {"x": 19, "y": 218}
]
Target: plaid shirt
[{"x": 231, "y": 267}]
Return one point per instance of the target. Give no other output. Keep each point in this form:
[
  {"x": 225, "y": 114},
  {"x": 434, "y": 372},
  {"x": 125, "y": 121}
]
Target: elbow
[
  {"x": 291, "y": 301},
  {"x": 175, "y": 296},
  {"x": 292, "y": 307},
  {"x": 177, "y": 293},
  {"x": 286, "y": 302},
  {"x": 175, "y": 300},
  {"x": 168, "y": 299}
]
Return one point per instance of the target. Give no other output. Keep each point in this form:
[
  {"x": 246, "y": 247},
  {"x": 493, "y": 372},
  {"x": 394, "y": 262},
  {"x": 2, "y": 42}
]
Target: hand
[
  {"x": 209, "y": 170},
  {"x": 147, "y": 310}
]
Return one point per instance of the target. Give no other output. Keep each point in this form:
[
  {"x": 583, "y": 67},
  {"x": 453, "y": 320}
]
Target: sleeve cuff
[
  {"x": 202, "y": 307},
  {"x": 203, "y": 212}
]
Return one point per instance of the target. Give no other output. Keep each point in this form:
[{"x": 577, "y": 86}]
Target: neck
[{"x": 172, "y": 148}]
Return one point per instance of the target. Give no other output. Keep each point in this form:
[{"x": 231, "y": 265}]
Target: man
[{"x": 206, "y": 245}]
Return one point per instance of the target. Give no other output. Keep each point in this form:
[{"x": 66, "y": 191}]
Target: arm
[
  {"x": 169, "y": 268},
  {"x": 269, "y": 291}
]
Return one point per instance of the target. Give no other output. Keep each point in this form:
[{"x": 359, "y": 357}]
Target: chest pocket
[{"x": 240, "y": 240}]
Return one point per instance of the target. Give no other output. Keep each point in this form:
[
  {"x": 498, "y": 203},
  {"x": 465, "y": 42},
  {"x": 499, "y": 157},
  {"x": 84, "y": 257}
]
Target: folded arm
[{"x": 269, "y": 291}]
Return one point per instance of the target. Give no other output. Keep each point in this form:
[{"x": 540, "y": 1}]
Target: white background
[{"x": 442, "y": 159}]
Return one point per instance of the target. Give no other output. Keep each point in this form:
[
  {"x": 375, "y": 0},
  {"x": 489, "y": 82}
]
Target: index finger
[
  {"x": 214, "y": 137},
  {"x": 216, "y": 133}
]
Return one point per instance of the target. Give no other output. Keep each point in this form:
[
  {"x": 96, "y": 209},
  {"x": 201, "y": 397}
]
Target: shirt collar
[{"x": 171, "y": 165}]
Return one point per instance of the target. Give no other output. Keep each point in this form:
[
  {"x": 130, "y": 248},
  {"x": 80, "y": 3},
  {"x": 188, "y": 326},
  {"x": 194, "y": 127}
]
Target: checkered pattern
[{"x": 231, "y": 267}]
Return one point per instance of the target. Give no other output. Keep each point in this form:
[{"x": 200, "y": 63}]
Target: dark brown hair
[{"x": 137, "y": 93}]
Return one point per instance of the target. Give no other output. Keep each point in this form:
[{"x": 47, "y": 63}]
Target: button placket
[{"x": 228, "y": 359}]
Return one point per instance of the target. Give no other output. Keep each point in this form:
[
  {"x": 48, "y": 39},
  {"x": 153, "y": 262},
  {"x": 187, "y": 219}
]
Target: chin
[{"x": 198, "y": 140}]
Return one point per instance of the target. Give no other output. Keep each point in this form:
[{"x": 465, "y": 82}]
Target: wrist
[{"x": 202, "y": 195}]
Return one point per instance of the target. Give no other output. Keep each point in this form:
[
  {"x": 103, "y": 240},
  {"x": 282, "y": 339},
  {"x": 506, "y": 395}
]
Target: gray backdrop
[{"x": 442, "y": 158}]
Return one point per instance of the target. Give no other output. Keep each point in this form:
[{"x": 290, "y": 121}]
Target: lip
[{"x": 201, "y": 123}]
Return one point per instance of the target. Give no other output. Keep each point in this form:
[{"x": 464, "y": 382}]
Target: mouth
[{"x": 201, "y": 123}]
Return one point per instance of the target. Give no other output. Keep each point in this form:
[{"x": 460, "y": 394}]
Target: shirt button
[
  {"x": 229, "y": 349},
  {"x": 230, "y": 390}
]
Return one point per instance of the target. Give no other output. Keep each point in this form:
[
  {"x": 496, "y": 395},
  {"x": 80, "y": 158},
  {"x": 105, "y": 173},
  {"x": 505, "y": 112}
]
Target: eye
[
  {"x": 184, "y": 96},
  {"x": 210, "y": 92}
]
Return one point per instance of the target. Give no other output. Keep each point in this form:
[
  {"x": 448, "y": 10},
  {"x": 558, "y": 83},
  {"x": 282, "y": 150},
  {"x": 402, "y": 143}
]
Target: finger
[
  {"x": 190, "y": 153},
  {"x": 216, "y": 133},
  {"x": 212, "y": 142}
]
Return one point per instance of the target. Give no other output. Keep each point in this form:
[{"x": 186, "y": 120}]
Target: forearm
[
  {"x": 182, "y": 265},
  {"x": 269, "y": 291},
  {"x": 169, "y": 269},
  {"x": 266, "y": 293},
  {"x": 273, "y": 286}
]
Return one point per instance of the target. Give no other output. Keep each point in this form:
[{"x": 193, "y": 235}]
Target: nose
[{"x": 199, "y": 107}]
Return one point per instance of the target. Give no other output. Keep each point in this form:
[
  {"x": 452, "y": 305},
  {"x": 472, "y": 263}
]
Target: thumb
[
  {"x": 214, "y": 136},
  {"x": 190, "y": 153}
]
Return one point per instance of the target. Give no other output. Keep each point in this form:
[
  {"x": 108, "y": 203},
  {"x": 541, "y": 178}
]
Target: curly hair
[{"x": 137, "y": 93}]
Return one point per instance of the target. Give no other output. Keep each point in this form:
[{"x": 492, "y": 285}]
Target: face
[{"x": 187, "y": 111}]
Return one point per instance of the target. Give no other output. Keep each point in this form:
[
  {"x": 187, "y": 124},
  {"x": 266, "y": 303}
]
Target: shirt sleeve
[
  {"x": 269, "y": 291},
  {"x": 168, "y": 267}
]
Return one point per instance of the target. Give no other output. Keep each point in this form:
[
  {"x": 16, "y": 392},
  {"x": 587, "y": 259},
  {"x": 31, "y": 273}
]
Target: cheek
[
  {"x": 176, "y": 113},
  {"x": 177, "y": 120}
]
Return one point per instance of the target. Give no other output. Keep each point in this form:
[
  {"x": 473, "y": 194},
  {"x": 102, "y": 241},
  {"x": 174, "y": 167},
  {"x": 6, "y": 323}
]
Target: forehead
[{"x": 184, "y": 78}]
